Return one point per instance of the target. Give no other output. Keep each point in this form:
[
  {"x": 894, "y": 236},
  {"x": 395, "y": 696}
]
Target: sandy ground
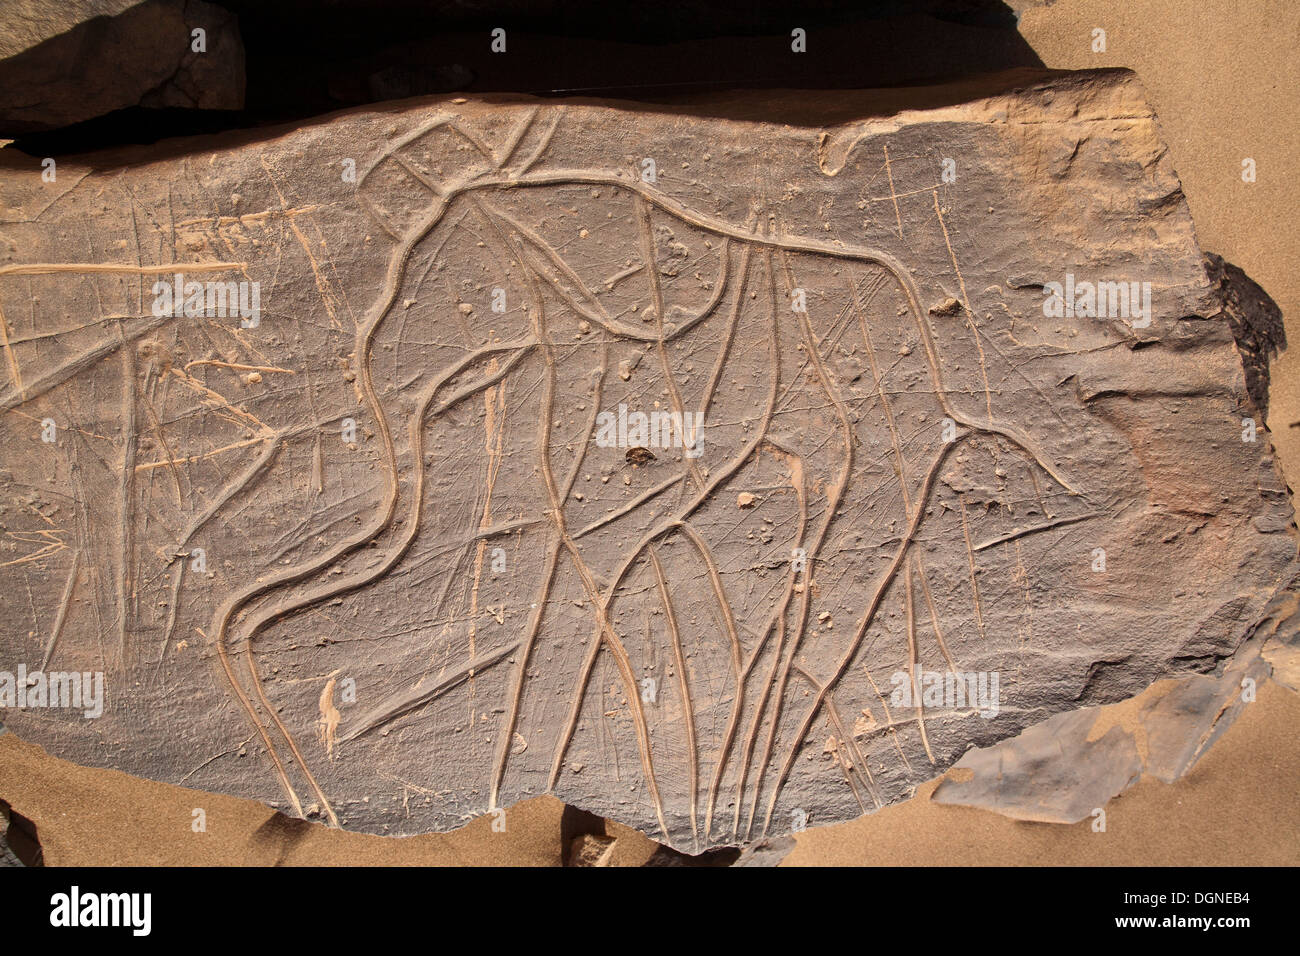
[{"x": 1225, "y": 81}]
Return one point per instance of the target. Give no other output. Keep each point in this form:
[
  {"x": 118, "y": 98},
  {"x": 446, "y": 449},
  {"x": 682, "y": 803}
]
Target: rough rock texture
[
  {"x": 919, "y": 472},
  {"x": 1256, "y": 323},
  {"x": 1061, "y": 770},
  {"x": 19, "y": 843},
  {"x": 1064, "y": 769},
  {"x": 31, "y": 22},
  {"x": 107, "y": 56}
]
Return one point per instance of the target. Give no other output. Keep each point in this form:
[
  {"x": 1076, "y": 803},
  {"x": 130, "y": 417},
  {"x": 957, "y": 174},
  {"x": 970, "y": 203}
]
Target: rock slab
[{"x": 723, "y": 469}]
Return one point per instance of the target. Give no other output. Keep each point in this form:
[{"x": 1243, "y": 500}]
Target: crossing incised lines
[
  {"x": 683, "y": 312},
  {"x": 755, "y": 746}
]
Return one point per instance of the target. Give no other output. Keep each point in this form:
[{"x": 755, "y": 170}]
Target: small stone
[{"x": 948, "y": 306}]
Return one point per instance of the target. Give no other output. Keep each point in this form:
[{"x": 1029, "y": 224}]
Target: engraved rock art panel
[{"x": 532, "y": 471}]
